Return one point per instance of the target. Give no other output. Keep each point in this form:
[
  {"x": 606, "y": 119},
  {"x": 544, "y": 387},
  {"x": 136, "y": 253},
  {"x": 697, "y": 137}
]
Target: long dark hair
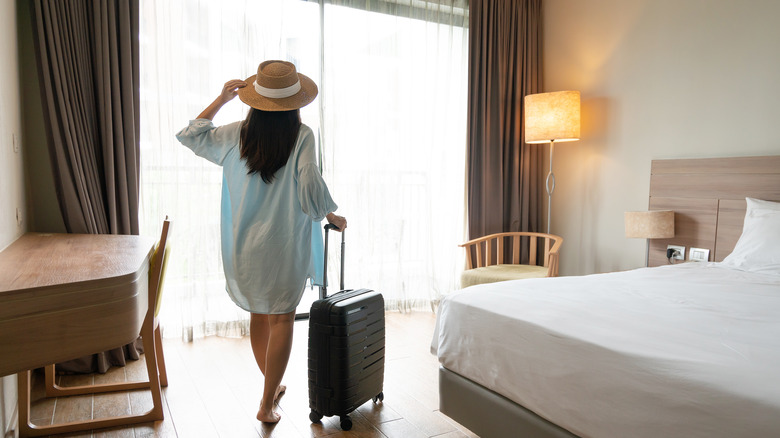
[{"x": 267, "y": 140}]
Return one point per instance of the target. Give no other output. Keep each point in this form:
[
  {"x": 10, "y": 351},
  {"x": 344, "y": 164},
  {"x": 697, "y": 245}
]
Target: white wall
[
  {"x": 659, "y": 79},
  {"x": 11, "y": 168}
]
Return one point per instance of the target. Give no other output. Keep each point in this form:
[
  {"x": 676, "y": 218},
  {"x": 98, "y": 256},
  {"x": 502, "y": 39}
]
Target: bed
[{"x": 689, "y": 350}]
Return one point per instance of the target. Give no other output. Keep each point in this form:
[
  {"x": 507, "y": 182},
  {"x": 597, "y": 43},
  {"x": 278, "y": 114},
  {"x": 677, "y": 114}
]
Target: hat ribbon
[{"x": 278, "y": 93}]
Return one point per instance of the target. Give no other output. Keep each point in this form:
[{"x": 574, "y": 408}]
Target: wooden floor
[{"x": 215, "y": 387}]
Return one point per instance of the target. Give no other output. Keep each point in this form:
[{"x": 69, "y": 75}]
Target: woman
[{"x": 272, "y": 189}]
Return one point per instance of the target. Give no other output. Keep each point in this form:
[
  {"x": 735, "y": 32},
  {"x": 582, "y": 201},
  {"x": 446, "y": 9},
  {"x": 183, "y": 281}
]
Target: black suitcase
[{"x": 346, "y": 349}]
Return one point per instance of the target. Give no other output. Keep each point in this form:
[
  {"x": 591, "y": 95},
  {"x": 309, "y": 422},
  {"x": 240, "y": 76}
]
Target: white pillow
[{"x": 758, "y": 248}]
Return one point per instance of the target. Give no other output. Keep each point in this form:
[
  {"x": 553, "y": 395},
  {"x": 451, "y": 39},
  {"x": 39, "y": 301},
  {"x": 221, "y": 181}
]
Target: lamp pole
[{"x": 549, "y": 184}]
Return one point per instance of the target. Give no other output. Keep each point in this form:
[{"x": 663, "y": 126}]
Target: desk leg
[{"x": 24, "y": 387}]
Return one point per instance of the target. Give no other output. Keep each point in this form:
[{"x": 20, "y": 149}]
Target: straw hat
[{"x": 277, "y": 87}]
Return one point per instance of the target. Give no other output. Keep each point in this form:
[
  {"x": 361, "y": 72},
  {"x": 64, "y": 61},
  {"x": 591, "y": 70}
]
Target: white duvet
[{"x": 688, "y": 350}]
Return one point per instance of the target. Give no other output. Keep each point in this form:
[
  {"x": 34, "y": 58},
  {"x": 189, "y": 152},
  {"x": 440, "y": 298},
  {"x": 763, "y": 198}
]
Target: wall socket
[{"x": 679, "y": 253}]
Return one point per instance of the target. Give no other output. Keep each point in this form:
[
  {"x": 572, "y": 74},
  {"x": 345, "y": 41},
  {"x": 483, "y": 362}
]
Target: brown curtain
[
  {"x": 503, "y": 173},
  {"x": 87, "y": 55}
]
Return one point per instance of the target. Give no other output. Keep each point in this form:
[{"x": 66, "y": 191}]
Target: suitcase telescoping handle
[{"x": 329, "y": 227}]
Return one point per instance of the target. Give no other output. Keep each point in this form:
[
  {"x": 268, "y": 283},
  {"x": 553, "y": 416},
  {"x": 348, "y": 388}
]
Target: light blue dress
[{"x": 266, "y": 229}]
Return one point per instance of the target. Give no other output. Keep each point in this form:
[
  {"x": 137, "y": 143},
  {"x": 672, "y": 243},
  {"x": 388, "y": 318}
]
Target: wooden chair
[
  {"x": 487, "y": 259},
  {"x": 153, "y": 354}
]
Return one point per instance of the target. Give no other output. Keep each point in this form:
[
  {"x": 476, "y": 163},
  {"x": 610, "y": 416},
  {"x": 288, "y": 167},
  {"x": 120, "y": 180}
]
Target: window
[{"x": 391, "y": 120}]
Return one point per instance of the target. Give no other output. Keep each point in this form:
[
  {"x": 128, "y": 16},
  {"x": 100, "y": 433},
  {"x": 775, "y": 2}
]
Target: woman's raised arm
[{"x": 227, "y": 94}]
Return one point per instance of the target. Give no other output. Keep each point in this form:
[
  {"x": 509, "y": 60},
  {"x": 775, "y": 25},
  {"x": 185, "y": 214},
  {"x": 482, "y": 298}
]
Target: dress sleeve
[
  {"x": 210, "y": 142},
  {"x": 313, "y": 193}
]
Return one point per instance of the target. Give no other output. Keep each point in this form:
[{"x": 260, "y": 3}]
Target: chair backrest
[
  {"x": 157, "y": 266},
  {"x": 160, "y": 283},
  {"x": 494, "y": 249}
]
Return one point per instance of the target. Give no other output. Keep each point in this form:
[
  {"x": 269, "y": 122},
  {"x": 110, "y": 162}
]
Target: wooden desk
[{"x": 64, "y": 296}]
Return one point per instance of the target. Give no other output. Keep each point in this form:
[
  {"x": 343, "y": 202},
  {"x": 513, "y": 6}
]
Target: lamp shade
[
  {"x": 552, "y": 117},
  {"x": 657, "y": 224}
]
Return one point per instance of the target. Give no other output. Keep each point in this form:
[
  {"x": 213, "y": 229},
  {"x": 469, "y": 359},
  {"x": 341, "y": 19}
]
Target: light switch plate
[{"x": 699, "y": 255}]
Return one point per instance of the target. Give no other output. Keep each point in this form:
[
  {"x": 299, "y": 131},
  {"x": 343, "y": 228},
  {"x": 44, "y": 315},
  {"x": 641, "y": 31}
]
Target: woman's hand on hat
[
  {"x": 230, "y": 90},
  {"x": 339, "y": 221}
]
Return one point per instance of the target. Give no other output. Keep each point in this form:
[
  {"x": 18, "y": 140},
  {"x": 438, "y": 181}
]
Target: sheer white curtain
[
  {"x": 189, "y": 49},
  {"x": 394, "y": 129},
  {"x": 391, "y": 117}
]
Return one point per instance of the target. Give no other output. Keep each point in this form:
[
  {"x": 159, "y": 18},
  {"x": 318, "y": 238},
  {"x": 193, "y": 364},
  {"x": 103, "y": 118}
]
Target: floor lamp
[{"x": 550, "y": 118}]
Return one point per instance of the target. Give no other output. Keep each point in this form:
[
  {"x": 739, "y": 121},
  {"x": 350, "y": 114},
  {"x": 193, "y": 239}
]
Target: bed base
[{"x": 489, "y": 414}]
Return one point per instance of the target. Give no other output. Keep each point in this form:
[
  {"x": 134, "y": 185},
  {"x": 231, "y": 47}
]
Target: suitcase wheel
[
  {"x": 346, "y": 423},
  {"x": 379, "y": 397},
  {"x": 315, "y": 416}
]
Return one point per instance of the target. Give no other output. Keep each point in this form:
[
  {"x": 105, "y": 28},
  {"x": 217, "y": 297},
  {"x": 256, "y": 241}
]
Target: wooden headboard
[{"x": 708, "y": 198}]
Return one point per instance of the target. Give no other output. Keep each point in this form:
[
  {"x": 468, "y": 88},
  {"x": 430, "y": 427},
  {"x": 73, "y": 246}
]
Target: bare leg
[
  {"x": 259, "y": 330},
  {"x": 278, "y": 350},
  {"x": 258, "y": 334}
]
